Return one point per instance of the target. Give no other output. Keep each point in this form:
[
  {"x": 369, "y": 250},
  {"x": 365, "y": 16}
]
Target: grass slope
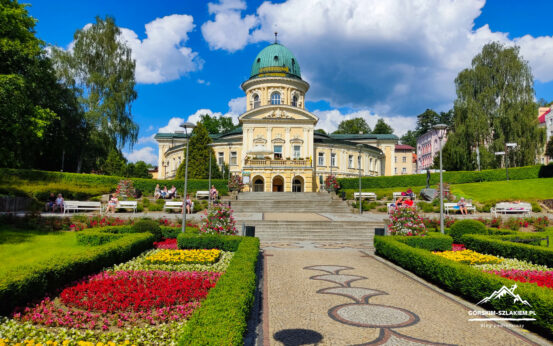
[
  {"x": 21, "y": 248},
  {"x": 525, "y": 190}
]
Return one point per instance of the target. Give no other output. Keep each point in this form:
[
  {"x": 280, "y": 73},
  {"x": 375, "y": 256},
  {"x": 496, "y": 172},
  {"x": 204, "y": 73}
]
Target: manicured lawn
[
  {"x": 525, "y": 190},
  {"x": 23, "y": 248}
]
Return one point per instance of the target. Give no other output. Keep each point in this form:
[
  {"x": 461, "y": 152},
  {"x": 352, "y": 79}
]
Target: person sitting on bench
[
  {"x": 172, "y": 193},
  {"x": 462, "y": 206}
]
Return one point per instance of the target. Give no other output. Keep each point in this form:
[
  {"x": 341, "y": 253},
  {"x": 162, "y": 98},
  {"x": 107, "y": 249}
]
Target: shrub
[
  {"x": 406, "y": 221},
  {"x": 222, "y": 317},
  {"x": 466, "y": 227},
  {"x": 93, "y": 237},
  {"x": 432, "y": 241},
  {"x": 173, "y": 232},
  {"x": 218, "y": 220},
  {"x": 426, "y": 207},
  {"x": 24, "y": 284},
  {"x": 147, "y": 225},
  {"x": 145, "y": 202},
  {"x": 501, "y": 246},
  {"x": 536, "y": 207},
  {"x": 382, "y": 209},
  {"x": 468, "y": 282},
  {"x": 155, "y": 207},
  {"x": 331, "y": 184}
]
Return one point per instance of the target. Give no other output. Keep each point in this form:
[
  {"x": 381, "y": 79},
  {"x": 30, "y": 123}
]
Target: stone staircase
[{"x": 296, "y": 208}]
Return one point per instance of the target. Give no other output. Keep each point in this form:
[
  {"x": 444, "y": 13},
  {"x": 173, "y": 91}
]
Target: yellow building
[{"x": 276, "y": 147}]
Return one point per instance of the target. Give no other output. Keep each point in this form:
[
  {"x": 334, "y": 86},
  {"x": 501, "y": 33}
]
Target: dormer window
[
  {"x": 275, "y": 98},
  {"x": 276, "y": 57},
  {"x": 258, "y": 59}
]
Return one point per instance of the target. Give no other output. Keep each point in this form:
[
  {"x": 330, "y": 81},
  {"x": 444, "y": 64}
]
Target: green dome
[{"x": 275, "y": 60}]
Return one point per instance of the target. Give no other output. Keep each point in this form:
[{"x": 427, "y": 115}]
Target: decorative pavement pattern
[{"x": 362, "y": 313}]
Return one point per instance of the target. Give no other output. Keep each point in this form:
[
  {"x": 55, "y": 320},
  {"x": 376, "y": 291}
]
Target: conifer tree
[{"x": 199, "y": 151}]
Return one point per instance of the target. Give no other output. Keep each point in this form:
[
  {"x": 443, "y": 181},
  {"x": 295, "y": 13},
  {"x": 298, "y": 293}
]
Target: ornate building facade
[{"x": 276, "y": 147}]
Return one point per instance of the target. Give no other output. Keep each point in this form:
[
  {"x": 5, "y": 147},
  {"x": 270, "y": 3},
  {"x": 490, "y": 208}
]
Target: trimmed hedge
[
  {"x": 457, "y": 177},
  {"x": 466, "y": 227},
  {"x": 222, "y": 318},
  {"x": 501, "y": 246},
  {"x": 94, "y": 237},
  {"x": 208, "y": 241},
  {"x": 22, "y": 285},
  {"x": 468, "y": 282},
  {"x": 432, "y": 241},
  {"x": 147, "y": 225},
  {"x": 91, "y": 183}
]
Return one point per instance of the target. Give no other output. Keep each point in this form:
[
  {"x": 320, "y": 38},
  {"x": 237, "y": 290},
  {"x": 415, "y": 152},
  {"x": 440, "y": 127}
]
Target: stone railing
[{"x": 277, "y": 163}]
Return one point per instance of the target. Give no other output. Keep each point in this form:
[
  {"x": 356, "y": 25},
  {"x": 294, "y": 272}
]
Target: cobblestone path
[{"x": 326, "y": 296}]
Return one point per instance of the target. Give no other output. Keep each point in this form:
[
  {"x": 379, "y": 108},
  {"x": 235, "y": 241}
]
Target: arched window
[
  {"x": 256, "y": 102},
  {"x": 295, "y": 100},
  {"x": 275, "y": 98}
]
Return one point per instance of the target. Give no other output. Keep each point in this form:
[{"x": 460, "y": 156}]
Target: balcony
[{"x": 253, "y": 163}]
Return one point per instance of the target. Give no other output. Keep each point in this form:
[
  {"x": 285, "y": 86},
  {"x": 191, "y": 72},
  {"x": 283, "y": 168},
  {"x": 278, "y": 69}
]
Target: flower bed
[
  {"x": 468, "y": 257},
  {"x": 541, "y": 278},
  {"x": 512, "y": 263},
  {"x": 184, "y": 256},
  {"x": 170, "y": 243}
]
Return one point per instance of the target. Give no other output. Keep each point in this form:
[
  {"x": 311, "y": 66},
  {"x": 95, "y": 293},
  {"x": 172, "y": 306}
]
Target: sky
[{"x": 363, "y": 58}]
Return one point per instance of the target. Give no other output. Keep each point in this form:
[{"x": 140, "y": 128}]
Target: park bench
[
  {"x": 511, "y": 208},
  {"x": 397, "y": 195},
  {"x": 81, "y": 205},
  {"x": 202, "y": 194},
  {"x": 365, "y": 195},
  {"x": 391, "y": 206},
  {"x": 176, "y": 205},
  {"x": 128, "y": 205},
  {"x": 454, "y": 207}
]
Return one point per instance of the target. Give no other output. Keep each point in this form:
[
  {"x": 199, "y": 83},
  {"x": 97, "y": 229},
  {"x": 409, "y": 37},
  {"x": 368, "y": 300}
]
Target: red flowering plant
[
  {"x": 235, "y": 183},
  {"x": 218, "y": 219},
  {"x": 406, "y": 221},
  {"x": 458, "y": 247},
  {"x": 541, "y": 278},
  {"x": 541, "y": 223},
  {"x": 170, "y": 244},
  {"x": 331, "y": 184}
]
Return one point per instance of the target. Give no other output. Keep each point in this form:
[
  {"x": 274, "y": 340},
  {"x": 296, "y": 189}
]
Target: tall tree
[
  {"x": 101, "y": 70},
  {"x": 320, "y": 131},
  {"x": 381, "y": 128},
  {"x": 494, "y": 106},
  {"x": 216, "y": 125},
  {"x": 199, "y": 152},
  {"x": 353, "y": 126},
  {"x": 409, "y": 138},
  {"x": 549, "y": 148},
  {"x": 28, "y": 89}
]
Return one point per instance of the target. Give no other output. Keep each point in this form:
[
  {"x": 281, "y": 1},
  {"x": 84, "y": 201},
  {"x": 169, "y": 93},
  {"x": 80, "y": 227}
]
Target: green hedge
[
  {"x": 94, "y": 237},
  {"x": 468, "y": 282},
  {"x": 82, "y": 186},
  {"x": 457, "y": 177},
  {"x": 208, "y": 241},
  {"x": 431, "y": 241},
  {"x": 466, "y": 227},
  {"x": 501, "y": 246},
  {"x": 22, "y": 285},
  {"x": 222, "y": 318}
]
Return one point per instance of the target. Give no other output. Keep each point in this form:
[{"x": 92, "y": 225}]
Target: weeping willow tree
[{"x": 494, "y": 106}]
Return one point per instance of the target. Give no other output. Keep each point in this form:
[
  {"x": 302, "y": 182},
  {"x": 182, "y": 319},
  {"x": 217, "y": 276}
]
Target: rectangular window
[
  {"x": 350, "y": 161},
  {"x": 297, "y": 153},
  {"x": 221, "y": 159},
  {"x": 233, "y": 157},
  {"x": 395, "y": 170},
  {"x": 278, "y": 151},
  {"x": 404, "y": 170},
  {"x": 333, "y": 160},
  {"x": 321, "y": 159},
  {"x": 395, "y": 159},
  {"x": 404, "y": 159}
]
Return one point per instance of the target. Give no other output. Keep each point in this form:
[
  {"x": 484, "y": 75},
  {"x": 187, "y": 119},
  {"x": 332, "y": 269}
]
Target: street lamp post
[
  {"x": 359, "y": 146},
  {"x": 440, "y": 129},
  {"x": 186, "y": 126},
  {"x": 209, "y": 181},
  {"x": 507, "y": 146},
  {"x": 331, "y": 147}
]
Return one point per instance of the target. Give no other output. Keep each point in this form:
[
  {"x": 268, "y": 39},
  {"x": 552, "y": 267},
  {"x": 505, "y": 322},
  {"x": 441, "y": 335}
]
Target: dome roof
[{"x": 275, "y": 60}]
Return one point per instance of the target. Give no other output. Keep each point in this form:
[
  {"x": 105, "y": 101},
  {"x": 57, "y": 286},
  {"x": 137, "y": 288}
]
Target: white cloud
[
  {"x": 146, "y": 154},
  {"x": 163, "y": 56},
  {"x": 229, "y": 31},
  {"x": 201, "y": 81},
  {"x": 329, "y": 120},
  {"x": 147, "y": 139},
  {"x": 394, "y": 57}
]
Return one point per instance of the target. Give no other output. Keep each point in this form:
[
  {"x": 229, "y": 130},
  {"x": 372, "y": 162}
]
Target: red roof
[
  {"x": 541, "y": 118},
  {"x": 404, "y": 147}
]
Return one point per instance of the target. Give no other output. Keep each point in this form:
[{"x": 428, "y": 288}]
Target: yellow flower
[
  {"x": 185, "y": 256},
  {"x": 469, "y": 257}
]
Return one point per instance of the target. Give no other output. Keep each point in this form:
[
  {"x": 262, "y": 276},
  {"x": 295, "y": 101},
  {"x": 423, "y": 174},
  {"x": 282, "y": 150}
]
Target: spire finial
[{"x": 276, "y": 34}]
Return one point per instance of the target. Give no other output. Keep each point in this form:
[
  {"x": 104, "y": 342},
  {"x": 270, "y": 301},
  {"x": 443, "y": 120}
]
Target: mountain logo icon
[{"x": 504, "y": 291}]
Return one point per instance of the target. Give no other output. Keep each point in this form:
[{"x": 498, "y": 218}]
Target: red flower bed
[
  {"x": 541, "y": 278},
  {"x": 170, "y": 244},
  {"x": 458, "y": 247},
  {"x": 138, "y": 290}
]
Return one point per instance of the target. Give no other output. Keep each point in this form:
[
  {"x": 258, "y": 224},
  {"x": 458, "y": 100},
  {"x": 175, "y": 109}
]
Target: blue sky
[{"x": 367, "y": 58}]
